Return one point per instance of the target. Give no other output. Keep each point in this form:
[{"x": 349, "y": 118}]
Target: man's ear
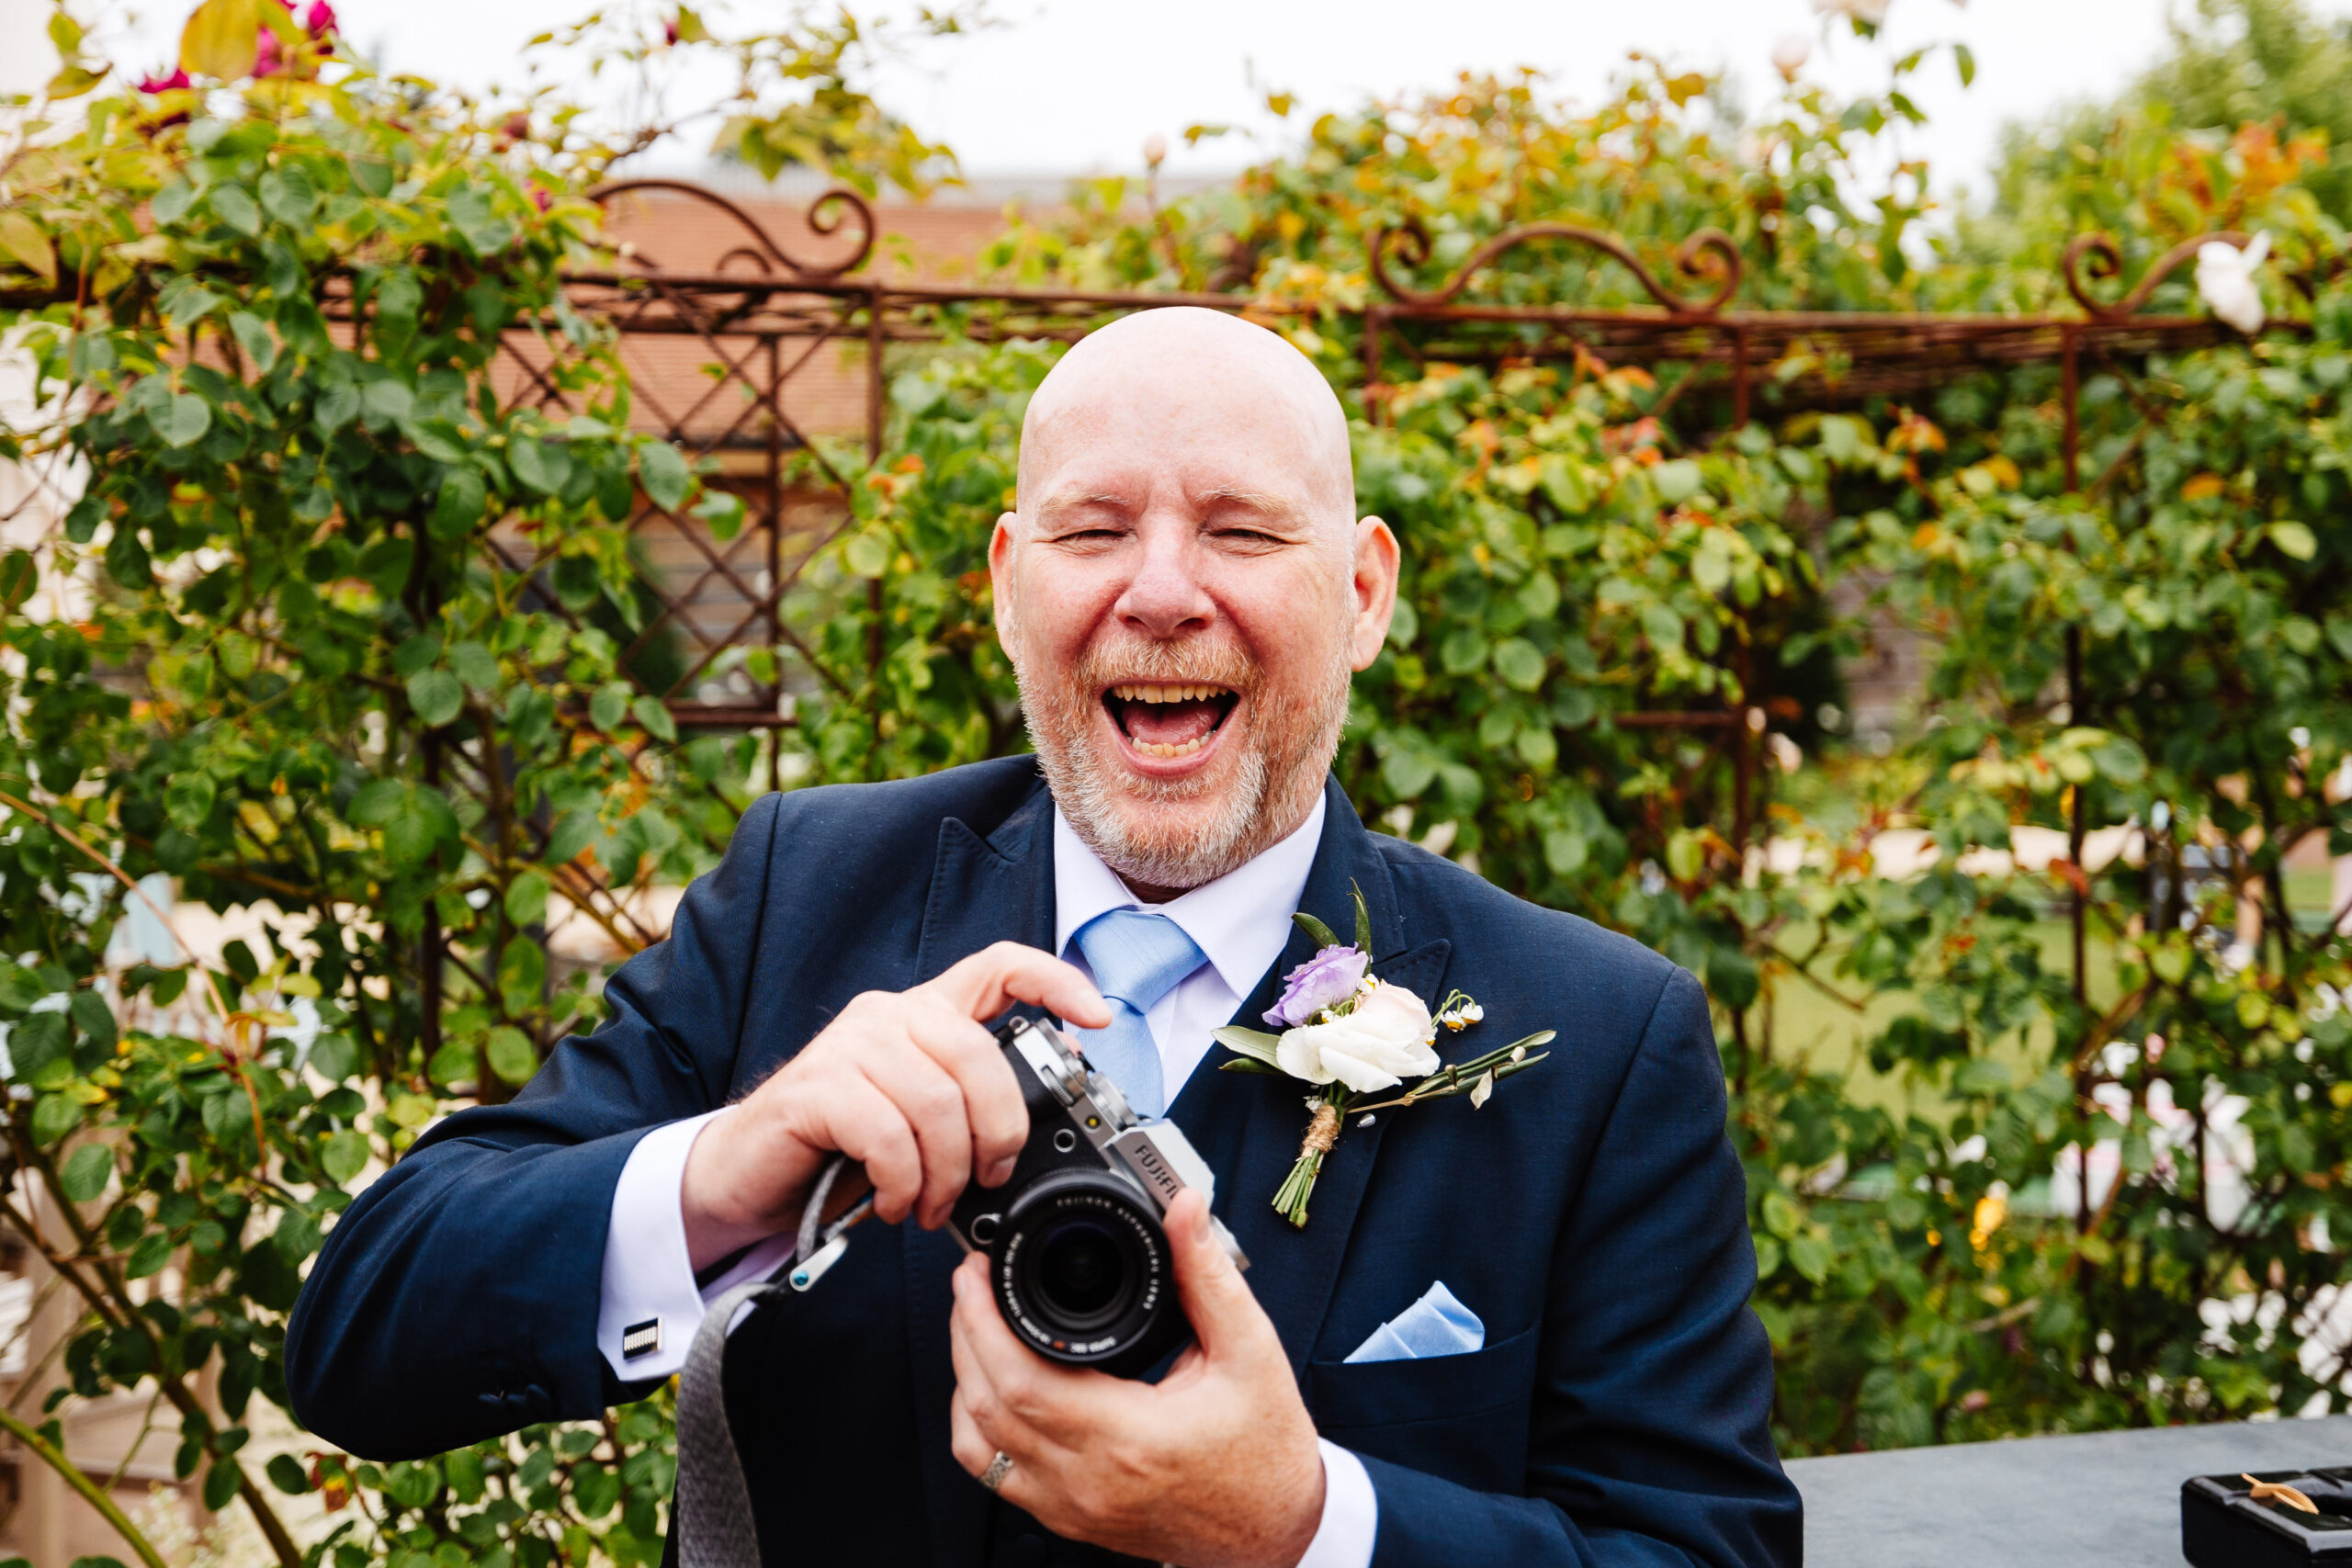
[
  {"x": 1002, "y": 545},
  {"x": 1374, "y": 590}
]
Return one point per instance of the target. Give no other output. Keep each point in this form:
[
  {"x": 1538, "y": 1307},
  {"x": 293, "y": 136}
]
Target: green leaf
[
  {"x": 511, "y": 1056},
  {"x": 181, "y": 421},
  {"x": 1321, "y": 935},
  {"x": 253, "y": 339},
  {"x": 437, "y": 696},
  {"x": 172, "y": 202},
  {"x": 22, "y": 241},
  {"x": 419, "y": 827},
  {"x": 20, "y": 575},
  {"x": 1407, "y": 772},
  {"x": 1519, "y": 663},
  {"x": 287, "y": 1475},
  {"x": 475, "y": 665},
  {"x": 867, "y": 553},
  {"x": 85, "y": 1172},
  {"x": 234, "y": 204},
  {"x": 722, "y": 512},
  {"x": 527, "y": 899},
  {"x": 1251, "y": 1043},
  {"x": 522, "y": 972},
  {"x": 220, "y": 1483},
  {"x": 656, "y": 718},
  {"x": 2294, "y": 539},
  {"x": 1966, "y": 60},
  {"x": 1363, "y": 920},
  {"x": 388, "y": 402},
  {"x": 609, "y": 705},
  {"x": 663, "y": 470},
  {"x": 459, "y": 505},
  {"x": 188, "y": 797},
  {"x": 1812, "y": 1257},
  {"x": 54, "y": 1115},
  {"x": 342, "y": 1156},
  {"x": 287, "y": 195},
  {"x": 1248, "y": 1065},
  {"x": 337, "y": 406},
  {"x": 574, "y": 832},
  {"x": 542, "y": 466},
  {"x": 577, "y": 582},
  {"x": 94, "y": 1018}
]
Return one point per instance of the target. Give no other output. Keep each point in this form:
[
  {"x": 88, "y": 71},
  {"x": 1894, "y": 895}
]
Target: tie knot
[{"x": 1137, "y": 957}]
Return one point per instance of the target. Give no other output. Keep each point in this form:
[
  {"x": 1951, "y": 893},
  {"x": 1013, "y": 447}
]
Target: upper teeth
[{"x": 1136, "y": 694}]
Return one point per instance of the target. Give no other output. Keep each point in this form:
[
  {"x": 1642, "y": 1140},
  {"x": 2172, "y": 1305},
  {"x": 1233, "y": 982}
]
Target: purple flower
[{"x": 1332, "y": 976}]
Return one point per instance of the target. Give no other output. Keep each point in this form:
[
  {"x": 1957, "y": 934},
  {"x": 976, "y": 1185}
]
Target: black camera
[{"x": 1075, "y": 1253}]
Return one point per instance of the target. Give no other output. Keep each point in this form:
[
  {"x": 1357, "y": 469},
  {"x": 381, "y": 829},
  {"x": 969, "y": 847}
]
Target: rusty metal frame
[{"x": 763, "y": 314}]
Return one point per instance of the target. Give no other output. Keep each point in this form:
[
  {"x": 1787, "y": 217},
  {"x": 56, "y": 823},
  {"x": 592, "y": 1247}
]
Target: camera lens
[
  {"x": 1082, "y": 1269},
  {"x": 1081, "y": 1272}
]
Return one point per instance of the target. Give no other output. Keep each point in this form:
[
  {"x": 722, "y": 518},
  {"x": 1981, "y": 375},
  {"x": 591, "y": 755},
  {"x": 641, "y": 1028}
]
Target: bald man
[{"x": 1512, "y": 1335}]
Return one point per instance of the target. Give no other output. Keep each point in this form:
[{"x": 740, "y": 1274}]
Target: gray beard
[{"x": 1275, "y": 787}]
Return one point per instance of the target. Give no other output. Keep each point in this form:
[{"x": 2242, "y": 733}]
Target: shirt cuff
[
  {"x": 649, "y": 1302},
  {"x": 1351, "y": 1513}
]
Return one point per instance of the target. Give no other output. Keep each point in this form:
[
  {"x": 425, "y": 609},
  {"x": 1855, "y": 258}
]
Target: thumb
[{"x": 1225, "y": 1315}]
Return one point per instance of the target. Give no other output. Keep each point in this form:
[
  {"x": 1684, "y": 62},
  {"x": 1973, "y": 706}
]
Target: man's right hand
[{"x": 909, "y": 1084}]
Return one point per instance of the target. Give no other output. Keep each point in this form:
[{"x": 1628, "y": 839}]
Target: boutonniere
[{"x": 1350, "y": 1034}]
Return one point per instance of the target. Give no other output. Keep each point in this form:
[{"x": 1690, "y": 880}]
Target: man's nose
[{"x": 1165, "y": 598}]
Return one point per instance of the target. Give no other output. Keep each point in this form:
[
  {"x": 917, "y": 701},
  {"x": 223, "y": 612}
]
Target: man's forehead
[{"x": 1227, "y": 403}]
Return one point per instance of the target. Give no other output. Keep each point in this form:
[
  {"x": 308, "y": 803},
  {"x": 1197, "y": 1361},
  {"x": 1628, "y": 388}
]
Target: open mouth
[{"x": 1168, "y": 721}]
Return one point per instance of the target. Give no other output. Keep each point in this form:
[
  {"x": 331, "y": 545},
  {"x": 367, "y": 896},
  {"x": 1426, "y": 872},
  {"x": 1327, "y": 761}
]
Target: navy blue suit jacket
[{"x": 1592, "y": 1214}]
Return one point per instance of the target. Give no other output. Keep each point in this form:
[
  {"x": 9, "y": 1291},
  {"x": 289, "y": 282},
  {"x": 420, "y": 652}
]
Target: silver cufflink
[{"x": 640, "y": 1339}]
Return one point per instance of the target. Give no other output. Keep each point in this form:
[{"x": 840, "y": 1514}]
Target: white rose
[
  {"x": 1385, "y": 1039},
  {"x": 1870, "y": 11},
  {"x": 2225, "y": 280}
]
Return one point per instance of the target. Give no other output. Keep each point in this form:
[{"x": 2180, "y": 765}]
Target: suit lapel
[
  {"x": 1248, "y": 1125},
  {"x": 1000, "y": 889}
]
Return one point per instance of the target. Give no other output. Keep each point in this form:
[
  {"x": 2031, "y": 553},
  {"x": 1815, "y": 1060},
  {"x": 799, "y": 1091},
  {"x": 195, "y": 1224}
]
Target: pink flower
[
  {"x": 319, "y": 20},
  {"x": 1332, "y": 976},
  {"x": 177, "y": 79},
  {"x": 540, "y": 199},
  {"x": 670, "y": 31},
  {"x": 267, "y": 59}
]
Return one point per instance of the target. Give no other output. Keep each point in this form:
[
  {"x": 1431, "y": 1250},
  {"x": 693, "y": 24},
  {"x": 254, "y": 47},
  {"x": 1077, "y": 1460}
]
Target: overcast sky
[{"x": 1078, "y": 84}]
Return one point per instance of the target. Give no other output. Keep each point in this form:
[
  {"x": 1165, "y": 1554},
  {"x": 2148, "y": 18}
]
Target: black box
[{"x": 2223, "y": 1525}]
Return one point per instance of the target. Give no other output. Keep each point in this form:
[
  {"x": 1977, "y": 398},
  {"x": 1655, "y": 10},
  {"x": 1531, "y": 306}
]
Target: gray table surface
[{"x": 2102, "y": 1497}]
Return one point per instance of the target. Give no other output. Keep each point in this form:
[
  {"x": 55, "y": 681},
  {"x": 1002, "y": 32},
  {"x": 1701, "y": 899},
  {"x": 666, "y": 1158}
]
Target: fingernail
[{"x": 1000, "y": 1172}]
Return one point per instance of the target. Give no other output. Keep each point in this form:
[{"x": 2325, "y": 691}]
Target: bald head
[{"x": 1181, "y": 371}]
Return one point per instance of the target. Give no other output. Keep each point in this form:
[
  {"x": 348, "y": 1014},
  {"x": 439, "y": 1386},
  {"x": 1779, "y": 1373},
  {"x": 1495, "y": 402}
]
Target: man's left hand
[{"x": 1214, "y": 1467}]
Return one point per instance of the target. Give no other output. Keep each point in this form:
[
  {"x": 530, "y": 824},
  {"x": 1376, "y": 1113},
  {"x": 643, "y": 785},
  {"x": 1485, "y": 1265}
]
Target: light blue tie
[{"x": 1137, "y": 957}]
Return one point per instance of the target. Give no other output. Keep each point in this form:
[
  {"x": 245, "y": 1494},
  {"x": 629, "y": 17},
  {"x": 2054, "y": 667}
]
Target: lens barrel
[{"x": 1082, "y": 1270}]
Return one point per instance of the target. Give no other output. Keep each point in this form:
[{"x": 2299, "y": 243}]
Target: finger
[
  {"x": 931, "y": 1103},
  {"x": 1043, "y": 1403},
  {"x": 863, "y": 1122},
  {"x": 1226, "y": 1316},
  {"x": 992, "y": 979},
  {"x": 998, "y": 1122},
  {"x": 975, "y": 1393}
]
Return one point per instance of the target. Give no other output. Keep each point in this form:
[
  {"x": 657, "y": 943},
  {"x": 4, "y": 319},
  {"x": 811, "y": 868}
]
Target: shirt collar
[{"x": 1241, "y": 920}]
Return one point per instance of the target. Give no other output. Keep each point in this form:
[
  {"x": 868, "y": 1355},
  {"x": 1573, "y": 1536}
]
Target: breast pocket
[{"x": 1463, "y": 1418}]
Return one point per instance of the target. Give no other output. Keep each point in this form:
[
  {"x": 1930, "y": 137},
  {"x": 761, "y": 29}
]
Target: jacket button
[{"x": 1026, "y": 1552}]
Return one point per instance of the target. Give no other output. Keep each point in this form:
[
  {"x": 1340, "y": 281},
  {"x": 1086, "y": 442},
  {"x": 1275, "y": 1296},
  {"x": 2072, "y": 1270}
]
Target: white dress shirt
[{"x": 1241, "y": 922}]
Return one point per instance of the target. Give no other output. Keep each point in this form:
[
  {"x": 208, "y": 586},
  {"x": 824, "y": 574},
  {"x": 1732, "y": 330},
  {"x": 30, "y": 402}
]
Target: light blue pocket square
[{"x": 1437, "y": 1325}]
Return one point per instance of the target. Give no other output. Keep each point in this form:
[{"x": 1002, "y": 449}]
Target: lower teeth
[{"x": 1154, "y": 749}]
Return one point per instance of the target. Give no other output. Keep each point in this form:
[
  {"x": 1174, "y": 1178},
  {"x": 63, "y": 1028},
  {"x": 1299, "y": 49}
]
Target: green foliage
[{"x": 347, "y": 627}]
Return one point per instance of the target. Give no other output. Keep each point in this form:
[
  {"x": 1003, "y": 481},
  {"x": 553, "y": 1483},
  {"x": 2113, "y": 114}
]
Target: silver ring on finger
[{"x": 999, "y": 1468}]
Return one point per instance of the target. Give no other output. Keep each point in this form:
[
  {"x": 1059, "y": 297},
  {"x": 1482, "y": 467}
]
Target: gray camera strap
[{"x": 711, "y": 1515}]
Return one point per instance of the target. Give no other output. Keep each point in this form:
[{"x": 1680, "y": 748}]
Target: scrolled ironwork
[
  {"x": 825, "y": 218},
  {"x": 1708, "y": 253},
  {"x": 2097, "y": 257}
]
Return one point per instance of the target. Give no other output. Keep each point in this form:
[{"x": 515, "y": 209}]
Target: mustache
[{"x": 1188, "y": 662}]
